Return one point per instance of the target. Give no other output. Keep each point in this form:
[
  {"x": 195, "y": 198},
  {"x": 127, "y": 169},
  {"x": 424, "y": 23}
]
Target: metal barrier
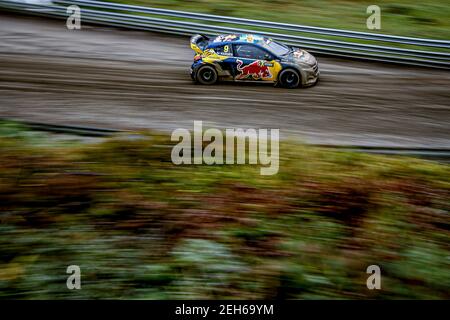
[
  {"x": 375, "y": 47},
  {"x": 440, "y": 154}
]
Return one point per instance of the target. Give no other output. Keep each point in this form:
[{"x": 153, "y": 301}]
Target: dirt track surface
[{"x": 124, "y": 79}]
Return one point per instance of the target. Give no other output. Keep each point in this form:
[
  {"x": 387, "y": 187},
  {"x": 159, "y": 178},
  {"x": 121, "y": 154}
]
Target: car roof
[{"x": 237, "y": 38}]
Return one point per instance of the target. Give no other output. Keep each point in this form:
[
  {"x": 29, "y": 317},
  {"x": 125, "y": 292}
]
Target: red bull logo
[{"x": 256, "y": 70}]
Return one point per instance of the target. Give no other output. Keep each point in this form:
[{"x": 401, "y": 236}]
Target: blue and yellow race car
[{"x": 248, "y": 57}]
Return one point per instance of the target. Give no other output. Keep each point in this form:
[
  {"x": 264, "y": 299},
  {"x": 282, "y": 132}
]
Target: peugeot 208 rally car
[{"x": 247, "y": 57}]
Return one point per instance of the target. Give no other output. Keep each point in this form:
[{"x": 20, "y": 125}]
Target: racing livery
[
  {"x": 256, "y": 70},
  {"x": 248, "y": 57}
]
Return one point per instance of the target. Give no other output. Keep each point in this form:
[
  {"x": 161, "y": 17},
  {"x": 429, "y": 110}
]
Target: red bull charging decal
[{"x": 257, "y": 70}]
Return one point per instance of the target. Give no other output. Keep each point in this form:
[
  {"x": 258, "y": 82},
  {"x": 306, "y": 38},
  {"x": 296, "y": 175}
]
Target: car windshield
[{"x": 277, "y": 48}]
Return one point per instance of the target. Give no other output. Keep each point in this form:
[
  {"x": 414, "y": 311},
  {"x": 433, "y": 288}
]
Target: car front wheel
[
  {"x": 289, "y": 78},
  {"x": 206, "y": 75}
]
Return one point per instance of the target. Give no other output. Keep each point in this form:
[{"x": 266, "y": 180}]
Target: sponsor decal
[
  {"x": 298, "y": 53},
  {"x": 208, "y": 52},
  {"x": 257, "y": 70},
  {"x": 230, "y": 37},
  {"x": 223, "y": 38}
]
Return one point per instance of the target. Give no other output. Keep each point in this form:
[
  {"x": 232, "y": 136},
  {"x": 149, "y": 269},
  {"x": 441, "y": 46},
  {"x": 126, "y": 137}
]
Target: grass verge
[
  {"x": 401, "y": 17},
  {"x": 140, "y": 227}
]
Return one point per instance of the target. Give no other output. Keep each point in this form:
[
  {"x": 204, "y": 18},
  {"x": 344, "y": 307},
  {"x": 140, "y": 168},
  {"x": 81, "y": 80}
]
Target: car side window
[
  {"x": 249, "y": 51},
  {"x": 224, "y": 50}
]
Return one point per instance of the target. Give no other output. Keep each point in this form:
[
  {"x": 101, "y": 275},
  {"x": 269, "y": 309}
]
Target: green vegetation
[
  {"x": 428, "y": 19},
  {"x": 142, "y": 228}
]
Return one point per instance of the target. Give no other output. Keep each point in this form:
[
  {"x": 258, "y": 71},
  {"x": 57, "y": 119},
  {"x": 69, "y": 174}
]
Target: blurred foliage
[
  {"x": 142, "y": 228},
  {"x": 429, "y": 19}
]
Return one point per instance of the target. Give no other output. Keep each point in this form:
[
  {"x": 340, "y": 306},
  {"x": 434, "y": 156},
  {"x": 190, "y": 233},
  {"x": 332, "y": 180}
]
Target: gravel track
[{"x": 123, "y": 79}]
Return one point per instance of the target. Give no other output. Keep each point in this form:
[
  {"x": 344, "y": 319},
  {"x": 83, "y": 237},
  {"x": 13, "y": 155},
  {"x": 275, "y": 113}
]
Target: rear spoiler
[{"x": 199, "y": 43}]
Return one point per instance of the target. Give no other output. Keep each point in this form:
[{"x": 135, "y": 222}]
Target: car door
[
  {"x": 225, "y": 61},
  {"x": 254, "y": 63}
]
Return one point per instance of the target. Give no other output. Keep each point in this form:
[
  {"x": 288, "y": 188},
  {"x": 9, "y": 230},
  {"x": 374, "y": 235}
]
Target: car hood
[{"x": 300, "y": 56}]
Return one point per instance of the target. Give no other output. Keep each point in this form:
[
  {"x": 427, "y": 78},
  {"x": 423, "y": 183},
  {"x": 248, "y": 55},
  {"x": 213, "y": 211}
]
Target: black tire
[
  {"x": 289, "y": 78},
  {"x": 206, "y": 75}
]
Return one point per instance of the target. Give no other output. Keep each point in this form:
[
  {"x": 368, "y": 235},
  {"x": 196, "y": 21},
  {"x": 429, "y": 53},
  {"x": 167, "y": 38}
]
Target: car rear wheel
[
  {"x": 289, "y": 78},
  {"x": 206, "y": 75}
]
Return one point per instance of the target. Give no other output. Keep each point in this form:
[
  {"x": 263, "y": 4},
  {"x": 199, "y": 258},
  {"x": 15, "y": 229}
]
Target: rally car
[{"x": 248, "y": 57}]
